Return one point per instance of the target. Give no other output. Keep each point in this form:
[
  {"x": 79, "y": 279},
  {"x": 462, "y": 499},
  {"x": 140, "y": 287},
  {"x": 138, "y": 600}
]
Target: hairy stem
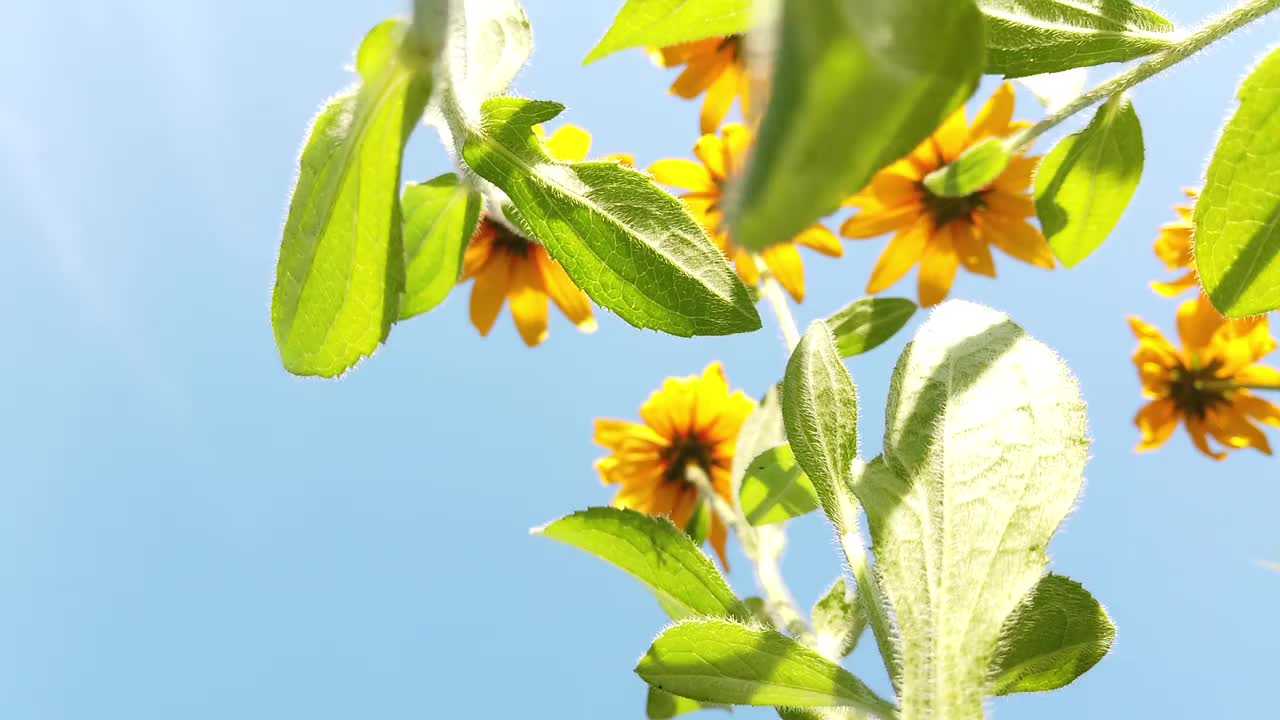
[
  {"x": 1213, "y": 31},
  {"x": 774, "y": 294}
]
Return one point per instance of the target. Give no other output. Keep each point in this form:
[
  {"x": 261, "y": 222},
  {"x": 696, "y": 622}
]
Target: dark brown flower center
[
  {"x": 946, "y": 209},
  {"x": 688, "y": 450},
  {"x": 1195, "y": 390},
  {"x": 509, "y": 241}
]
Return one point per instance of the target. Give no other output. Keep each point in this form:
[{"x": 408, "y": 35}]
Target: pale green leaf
[
  {"x": 1085, "y": 184},
  {"x": 1237, "y": 219},
  {"x": 662, "y": 23},
  {"x": 725, "y": 662},
  {"x": 341, "y": 266},
  {"x": 857, "y": 85},
  {"x": 762, "y": 430},
  {"x": 820, "y": 410},
  {"x": 1056, "y": 634},
  {"x": 1030, "y": 37},
  {"x": 776, "y": 489},
  {"x": 631, "y": 247},
  {"x": 663, "y": 705},
  {"x": 974, "y": 170},
  {"x": 489, "y": 43},
  {"x": 656, "y": 553},
  {"x": 440, "y": 216},
  {"x": 984, "y": 453},
  {"x": 838, "y": 621},
  {"x": 867, "y": 323}
]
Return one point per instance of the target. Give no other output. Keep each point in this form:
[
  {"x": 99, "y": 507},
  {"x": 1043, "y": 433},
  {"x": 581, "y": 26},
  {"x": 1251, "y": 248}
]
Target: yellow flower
[
  {"x": 722, "y": 158},
  {"x": 943, "y": 234},
  {"x": 1173, "y": 246},
  {"x": 508, "y": 266},
  {"x": 716, "y": 66},
  {"x": 690, "y": 425},
  {"x": 1207, "y": 384}
]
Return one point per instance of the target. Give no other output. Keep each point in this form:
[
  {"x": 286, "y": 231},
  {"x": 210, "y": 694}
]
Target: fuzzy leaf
[
  {"x": 341, "y": 266},
  {"x": 865, "y": 324},
  {"x": 776, "y": 489},
  {"x": 656, "y": 553},
  {"x": 1031, "y": 37},
  {"x": 663, "y": 705},
  {"x": 630, "y": 246},
  {"x": 489, "y": 43},
  {"x": 977, "y": 168},
  {"x": 1237, "y": 218},
  {"x": 761, "y": 431},
  {"x": 820, "y": 409},
  {"x": 1056, "y": 634},
  {"x": 838, "y": 621},
  {"x": 856, "y": 85},
  {"x": 662, "y": 23},
  {"x": 725, "y": 662},
  {"x": 984, "y": 456},
  {"x": 440, "y": 216},
  {"x": 1085, "y": 184}
]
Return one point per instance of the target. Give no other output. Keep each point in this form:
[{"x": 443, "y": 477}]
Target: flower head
[
  {"x": 1173, "y": 247},
  {"x": 723, "y": 157},
  {"x": 507, "y": 266},
  {"x": 716, "y": 66},
  {"x": 690, "y": 426},
  {"x": 1207, "y": 383},
  {"x": 943, "y": 234}
]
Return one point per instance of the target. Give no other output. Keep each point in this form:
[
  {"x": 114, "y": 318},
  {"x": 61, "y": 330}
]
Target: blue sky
[{"x": 187, "y": 531}]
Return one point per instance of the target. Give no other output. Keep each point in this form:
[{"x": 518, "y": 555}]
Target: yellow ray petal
[
  {"x": 1258, "y": 376},
  {"x": 869, "y": 224},
  {"x": 1157, "y": 420},
  {"x": 952, "y": 137},
  {"x": 528, "y": 298},
  {"x": 974, "y": 253},
  {"x": 1197, "y": 431},
  {"x": 612, "y": 433},
  {"x": 720, "y": 96},
  {"x": 685, "y": 174},
  {"x": 737, "y": 144},
  {"x": 489, "y": 291},
  {"x": 710, "y": 150},
  {"x": 993, "y": 119},
  {"x": 1198, "y": 321},
  {"x": 1011, "y": 205},
  {"x": 1234, "y": 430},
  {"x": 902, "y": 253},
  {"x": 1177, "y": 286},
  {"x": 572, "y": 302},
  {"x": 819, "y": 238},
  {"x": 1017, "y": 239},
  {"x": 938, "y": 267},
  {"x": 569, "y": 144},
  {"x": 698, "y": 75},
  {"x": 1257, "y": 408},
  {"x": 1018, "y": 176},
  {"x": 785, "y": 265}
]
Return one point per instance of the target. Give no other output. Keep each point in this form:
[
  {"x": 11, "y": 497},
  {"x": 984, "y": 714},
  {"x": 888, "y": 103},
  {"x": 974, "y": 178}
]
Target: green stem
[
  {"x": 430, "y": 24},
  {"x": 1212, "y": 32}
]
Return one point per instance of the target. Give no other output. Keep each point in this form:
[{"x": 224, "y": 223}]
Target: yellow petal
[
  {"x": 612, "y": 433},
  {"x": 571, "y": 301},
  {"x": 869, "y": 224},
  {"x": 821, "y": 239},
  {"x": 1016, "y": 238},
  {"x": 1259, "y": 376},
  {"x": 973, "y": 251},
  {"x": 700, "y": 72},
  {"x": 1234, "y": 430},
  {"x": 737, "y": 144},
  {"x": 626, "y": 159},
  {"x": 993, "y": 119},
  {"x": 746, "y": 266},
  {"x": 1011, "y": 205},
  {"x": 902, "y": 253},
  {"x": 1173, "y": 247},
  {"x": 785, "y": 265},
  {"x": 952, "y": 137},
  {"x": 684, "y": 174},
  {"x": 669, "y": 410},
  {"x": 489, "y": 290},
  {"x": 478, "y": 251},
  {"x": 719, "y": 538},
  {"x": 720, "y": 96},
  {"x": 1176, "y": 287},
  {"x": 529, "y": 305},
  {"x": 710, "y": 150},
  {"x": 569, "y": 144},
  {"x": 1157, "y": 421},
  {"x": 1198, "y": 321},
  {"x": 1257, "y": 408},
  {"x": 1018, "y": 176},
  {"x": 686, "y": 503},
  {"x": 1196, "y": 429},
  {"x": 938, "y": 267}
]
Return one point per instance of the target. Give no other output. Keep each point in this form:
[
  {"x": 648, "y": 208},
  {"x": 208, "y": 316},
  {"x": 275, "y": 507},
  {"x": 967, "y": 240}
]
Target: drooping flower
[
  {"x": 1207, "y": 385},
  {"x": 716, "y": 66},
  {"x": 722, "y": 158},
  {"x": 1173, "y": 247},
  {"x": 943, "y": 234},
  {"x": 507, "y": 266},
  {"x": 690, "y": 426}
]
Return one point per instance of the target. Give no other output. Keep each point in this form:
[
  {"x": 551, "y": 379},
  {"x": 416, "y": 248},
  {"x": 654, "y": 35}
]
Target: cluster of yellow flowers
[{"x": 1207, "y": 385}]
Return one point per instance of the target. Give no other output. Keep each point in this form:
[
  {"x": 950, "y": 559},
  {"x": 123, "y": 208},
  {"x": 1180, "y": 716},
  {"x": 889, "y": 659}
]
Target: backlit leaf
[
  {"x": 867, "y": 323},
  {"x": 977, "y": 168},
  {"x": 662, "y": 23},
  {"x": 440, "y": 216},
  {"x": 776, "y": 489},
  {"x": 663, "y": 705},
  {"x": 820, "y": 409},
  {"x": 761, "y": 431},
  {"x": 838, "y": 621}
]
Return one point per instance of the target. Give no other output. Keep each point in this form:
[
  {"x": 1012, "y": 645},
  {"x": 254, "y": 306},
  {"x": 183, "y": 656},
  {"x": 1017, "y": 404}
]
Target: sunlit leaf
[
  {"x": 663, "y": 705},
  {"x": 631, "y": 247},
  {"x": 1085, "y": 184},
  {"x": 856, "y": 86},
  {"x": 1237, "y": 219},
  {"x": 341, "y": 266},
  {"x": 867, "y": 323},
  {"x": 820, "y": 410},
  {"x": 761, "y": 431},
  {"x": 838, "y": 621},
  {"x": 440, "y": 216},
  {"x": 662, "y": 23},
  {"x": 977, "y": 168},
  {"x": 776, "y": 489}
]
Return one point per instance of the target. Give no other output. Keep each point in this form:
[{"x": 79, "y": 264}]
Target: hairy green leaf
[
  {"x": 341, "y": 266},
  {"x": 440, "y": 216},
  {"x": 867, "y": 323},
  {"x": 820, "y": 410},
  {"x": 856, "y": 86},
  {"x": 725, "y": 662},
  {"x": 838, "y": 621},
  {"x": 1030, "y": 37},
  {"x": 984, "y": 456},
  {"x": 761, "y": 431},
  {"x": 1056, "y": 634},
  {"x": 662, "y": 23},
  {"x": 1237, "y": 219},
  {"x": 775, "y": 488},
  {"x": 489, "y": 43},
  {"x": 1085, "y": 184},
  {"x": 631, "y": 247},
  {"x": 656, "y": 553},
  {"x": 663, "y": 705},
  {"x": 977, "y": 168}
]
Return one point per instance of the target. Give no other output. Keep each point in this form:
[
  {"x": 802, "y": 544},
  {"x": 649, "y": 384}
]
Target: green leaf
[
  {"x": 838, "y": 621},
  {"x": 865, "y": 324},
  {"x": 724, "y": 662},
  {"x": 820, "y": 410},
  {"x": 1085, "y": 184},
  {"x": 761, "y": 431},
  {"x": 1030, "y": 37},
  {"x": 776, "y": 489},
  {"x": 656, "y": 553},
  {"x": 984, "y": 453},
  {"x": 662, "y": 23},
  {"x": 440, "y": 216},
  {"x": 857, "y": 85},
  {"x": 977, "y": 168},
  {"x": 759, "y": 613},
  {"x": 1237, "y": 219},
  {"x": 1056, "y": 634},
  {"x": 489, "y": 43},
  {"x": 663, "y": 705},
  {"x": 340, "y": 271},
  {"x": 631, "y": 247}
]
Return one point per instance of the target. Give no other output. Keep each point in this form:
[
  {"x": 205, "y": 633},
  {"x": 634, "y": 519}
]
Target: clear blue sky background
[{"x": 186, "y": 531}]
